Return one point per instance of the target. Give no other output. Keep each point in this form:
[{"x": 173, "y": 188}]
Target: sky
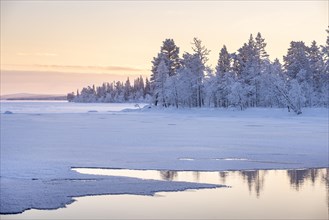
[{"x": 55, "y": 47}]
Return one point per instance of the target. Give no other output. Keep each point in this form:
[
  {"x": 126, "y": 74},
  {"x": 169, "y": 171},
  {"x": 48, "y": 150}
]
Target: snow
[
  {"x": 39, "y": 150},
  {"x": 43, "y": 107}
]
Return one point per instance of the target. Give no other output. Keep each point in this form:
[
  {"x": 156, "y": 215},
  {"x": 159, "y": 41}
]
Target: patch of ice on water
[
  {"x": 231, "y": 158},
  {"x": 186, "y": 158}
]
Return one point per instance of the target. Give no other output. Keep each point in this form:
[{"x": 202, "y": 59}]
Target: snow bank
[{"x": 38, "y": 150}]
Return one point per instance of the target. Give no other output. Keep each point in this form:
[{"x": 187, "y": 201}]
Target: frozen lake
[
  {"x": 42, "y": 141},
  {"x": 41, "y": 107}
]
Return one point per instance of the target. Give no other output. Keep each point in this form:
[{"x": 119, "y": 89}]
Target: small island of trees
[{"x": 246, "y": 78}]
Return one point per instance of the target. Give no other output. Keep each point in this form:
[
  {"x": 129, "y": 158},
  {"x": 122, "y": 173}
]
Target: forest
[{"x": 243, "y": 79}]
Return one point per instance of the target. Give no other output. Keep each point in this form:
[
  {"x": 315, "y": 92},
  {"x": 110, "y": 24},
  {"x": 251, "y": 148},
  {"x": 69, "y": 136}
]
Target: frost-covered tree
[
  {"x": 113, "y": 92},
  {"x": 88, "y": 94},
  {"x": 193, "y": 63},
  {"x": 260, "y": 47},
  {"x": 147, "y": 90},
  {"x": 160, "y": 87},
  {"x": 316, "y": 67},
  {"x": 169, "y": 53},
  {"x": 171, "y": 91},
  {"x": 325, "y": 52},
  {"x": 295, "y": 95},
  {"x": 296, "y": 59},
  {"x": 243, "y": 79},
  {"x": 223, "y": 79},
  {"x": 138, "y": 89},
  {"x": 247, "y": 69},
  {"x": 304, "y": 64},
  {"x": 127, "y": 90},
  {"x": 272, "y": 74},
  {"x": 324, "y": 98},
  {"x": 237, "y": 97},
  {"x": 224, "y": 62},
  {"x": 70, "y": 97},
  {"x": 200, "y": 50},
  {"x": 186, "y": 92}
]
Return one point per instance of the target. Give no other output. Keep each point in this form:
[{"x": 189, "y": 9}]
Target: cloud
[
  {"x": 175, "y": 12},
  {"x": 75, "y": 68},
  {"x": 23, "y": 54},
  {"x": 46, "y": 54},
  {"x": 37, "y": 54},
  {"x": 99, "y": 68}
]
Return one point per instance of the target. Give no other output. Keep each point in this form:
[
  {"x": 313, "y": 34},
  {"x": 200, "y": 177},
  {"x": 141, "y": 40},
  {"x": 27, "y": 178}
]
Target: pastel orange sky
[{"x": 54, "y": 47}]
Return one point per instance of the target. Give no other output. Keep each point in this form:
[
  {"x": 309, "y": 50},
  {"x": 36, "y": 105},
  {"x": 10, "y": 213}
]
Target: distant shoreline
[
  {"x": 31, "y": 97},
  {"x": 60, "y": 98}
]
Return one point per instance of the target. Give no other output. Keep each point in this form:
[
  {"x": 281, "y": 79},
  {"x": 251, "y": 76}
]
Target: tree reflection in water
[
  {"x": 196, "y": 176},
  {"x": 325, "y": 180},
  {"x": 168, "y": 174},
  {"x": 255, "y": 180},
  {"x": 222, "y": 176},
  {"x": 298, "y": 177}
]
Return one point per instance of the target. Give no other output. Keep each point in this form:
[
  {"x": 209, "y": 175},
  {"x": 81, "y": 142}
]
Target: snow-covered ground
[
  {"x": 37, "y": 107},
  {"x": 38, "y": 149}
]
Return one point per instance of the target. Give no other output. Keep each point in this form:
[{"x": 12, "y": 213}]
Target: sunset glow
[{"x": 68, "y": 43}]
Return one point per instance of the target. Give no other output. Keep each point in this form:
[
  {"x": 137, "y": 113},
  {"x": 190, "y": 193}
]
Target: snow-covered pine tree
[
  {"x": 260, "y": 47},
  {"x": 247, "y": 70},
  {"x": 297, "y": 66},
  {"x": 127, "y": 90},
  {"x": 200, "y": 67},
  {"x": 325, "y": 52},
  {"x": 263, "y": 63},
  {"x": 296, "y": 59},
  {"x": 224, "y": 62},
  {"x": 222, "y": 78},
  {"x": 237, "y": 96},
  {"x": 147, "y": 90},
  {"x": 88, "y": 94},
  {"x": 138, "y": 89},
  {"x": 70, "y": 97},
  {"x": 193, "y": 63},
  {"x": 171, "y": 91},
  {"x": 316, "y": 64},
  {"x": 161, "y": 76},
  {"x": 185, "y": 85},
  {"x": 169, "y": 52},
  {"x": 272, "y": 84},
  {"x": 324, "y": 99},
  {"x": 200, "y": 50}
]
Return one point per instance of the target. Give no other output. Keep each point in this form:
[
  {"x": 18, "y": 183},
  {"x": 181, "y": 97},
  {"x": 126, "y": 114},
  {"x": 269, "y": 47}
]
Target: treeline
[
  {"x": 115, "y": 92},
  {"x": 246, "y": 78}
]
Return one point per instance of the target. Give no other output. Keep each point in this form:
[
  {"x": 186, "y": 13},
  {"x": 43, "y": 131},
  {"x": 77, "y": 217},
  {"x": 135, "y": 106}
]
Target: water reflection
[
  {"x": 297, "y": 177},
  {"x": 255, "y": 180},
  {"x": 168, "y": 175},
  {"x": 222, "y": 176},
  {"x": 325, "y": 180},
  {"x": 256, "y": 194}
]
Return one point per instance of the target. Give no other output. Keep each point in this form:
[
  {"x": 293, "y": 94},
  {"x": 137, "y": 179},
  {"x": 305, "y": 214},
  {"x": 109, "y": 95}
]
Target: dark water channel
[{"x": 254, "y": 194}]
